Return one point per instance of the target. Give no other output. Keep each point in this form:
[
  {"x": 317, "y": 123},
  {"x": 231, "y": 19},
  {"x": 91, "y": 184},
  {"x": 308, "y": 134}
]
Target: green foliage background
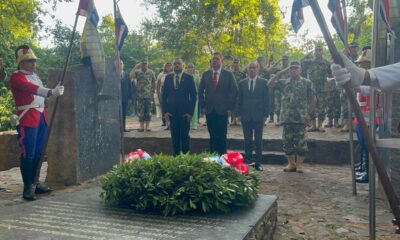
[
  {"x": 176, "y": 185},
  {"x": 188, "y": 29}
]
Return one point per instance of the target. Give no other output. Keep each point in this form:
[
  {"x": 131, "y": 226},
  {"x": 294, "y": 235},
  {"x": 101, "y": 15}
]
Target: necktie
[
  {"x": 176, "y": 81},
  {"x": 251, "y": 85},
  {"x": 214, "y": 80}
]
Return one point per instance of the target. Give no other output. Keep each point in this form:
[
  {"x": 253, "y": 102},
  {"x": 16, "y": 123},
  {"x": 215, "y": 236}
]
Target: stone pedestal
[{"x": 85, "y": 140}]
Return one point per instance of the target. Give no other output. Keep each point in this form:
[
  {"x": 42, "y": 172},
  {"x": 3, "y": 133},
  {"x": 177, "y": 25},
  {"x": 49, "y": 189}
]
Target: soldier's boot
[
  {"x": 146, "y": 128},
  {"x": 345, "y": 124},
  {"x": 39, "y": 187},
  {"x": 27, "y": 178},
  {"x": 336, "y": 123},
  {"x": 299, "y": 164},
  {"x": 313, "y": 126},
  {"x": 291, "y": 167},
  {"x": 141, "y": 128},
  {"x": 330, "y": 123},
  {"x": 320, "y": 128}
]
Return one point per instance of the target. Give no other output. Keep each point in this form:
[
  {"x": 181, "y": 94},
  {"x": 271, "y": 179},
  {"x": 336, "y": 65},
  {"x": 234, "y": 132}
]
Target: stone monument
[{"x": 86, "y": 138}]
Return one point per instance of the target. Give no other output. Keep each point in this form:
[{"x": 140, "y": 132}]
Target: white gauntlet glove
[
  {"x": 348, "y": 73},
  {"x": 46, "y": 92},
  {"x": 57, "y": 91}
]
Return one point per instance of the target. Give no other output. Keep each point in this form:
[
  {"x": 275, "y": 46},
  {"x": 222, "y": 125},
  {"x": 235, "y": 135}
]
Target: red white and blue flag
[
  {"x": 121, "y": 29},
  {"x": 297, "y": 16},
  {"x": 385, "y": 14},
  {"x": 337, "y": 18},
  {"x": 88, "y": 9}
]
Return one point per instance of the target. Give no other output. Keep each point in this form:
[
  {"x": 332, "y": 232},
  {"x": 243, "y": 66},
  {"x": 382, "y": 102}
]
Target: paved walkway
[{"x": 270, "y": 131}]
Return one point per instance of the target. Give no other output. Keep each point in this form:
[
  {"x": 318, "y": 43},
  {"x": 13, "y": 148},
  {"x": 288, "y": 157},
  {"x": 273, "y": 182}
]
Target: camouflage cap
[
  {"x": 236, "y": 60},
  {"x": 261, "y": 58},
  {"x": 294, "y": 64},
  {"x": 285, "y": 57},
  {"x": 144, "y": 60}
]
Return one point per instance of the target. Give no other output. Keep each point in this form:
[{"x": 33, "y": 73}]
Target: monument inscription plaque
[{"x": 83, "y": 215}]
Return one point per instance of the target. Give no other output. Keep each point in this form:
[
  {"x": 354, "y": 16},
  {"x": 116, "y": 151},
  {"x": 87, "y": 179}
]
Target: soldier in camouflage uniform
[
  {"x": 333, "y": 103},
  {"x": 145, "y": 86},
  {"x": 296, "y": 101},
  {"x": 277, "y": 91},
  {"x": 352, "y": 54},
  {"x": 318, "y": 71},
  {"x": 239, "y": 76}
]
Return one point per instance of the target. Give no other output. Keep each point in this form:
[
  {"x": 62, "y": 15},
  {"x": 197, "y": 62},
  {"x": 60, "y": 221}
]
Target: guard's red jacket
[{"x": 24, "y": 88}]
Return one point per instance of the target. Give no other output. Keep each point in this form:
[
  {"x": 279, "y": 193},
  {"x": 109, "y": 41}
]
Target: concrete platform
[{"x": 84, "y": 215}]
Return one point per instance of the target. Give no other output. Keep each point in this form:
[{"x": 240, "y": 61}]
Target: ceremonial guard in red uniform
[{"x": 31, "y": 121}]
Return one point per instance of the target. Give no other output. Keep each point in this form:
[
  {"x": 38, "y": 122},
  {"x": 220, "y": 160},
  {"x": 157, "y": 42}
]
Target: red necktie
[{"x": 214, "y": 80}]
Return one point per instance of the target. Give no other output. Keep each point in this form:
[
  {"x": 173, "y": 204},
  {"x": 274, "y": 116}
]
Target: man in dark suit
[
  {"x": 253, "y": 109},
  {"x": 178, "y": 102},
  {"x": 217, "y": 95}
]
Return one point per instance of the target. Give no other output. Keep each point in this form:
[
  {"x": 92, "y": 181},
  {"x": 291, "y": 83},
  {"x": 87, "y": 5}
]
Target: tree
[{"x": 195, "y": 29}]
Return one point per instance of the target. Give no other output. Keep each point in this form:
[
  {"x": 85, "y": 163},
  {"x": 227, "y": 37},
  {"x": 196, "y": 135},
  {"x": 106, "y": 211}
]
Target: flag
[
  {"x": 297, "y": 17},
  {"x": 121, "y": 30},
  {"x": 87, "y": 8},
  {"x": 385, "y": 14},
  {"x": 92, "y": 51},
  {"x": 83, "y": 8},
  {"x": 337, "y": 18}
]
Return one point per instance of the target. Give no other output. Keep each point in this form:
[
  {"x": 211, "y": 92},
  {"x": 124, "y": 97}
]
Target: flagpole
[
  {"x": 119, "y": 71},
  {"x": 382, "y": 174},
  {"x": 350, "y": 108},
  {"x": 61, "y": 82}
]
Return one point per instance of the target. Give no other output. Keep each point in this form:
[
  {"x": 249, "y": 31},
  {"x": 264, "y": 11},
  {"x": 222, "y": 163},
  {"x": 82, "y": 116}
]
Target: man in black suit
[
  {"x": 253, "y": 109},
  {"x": 217, "y": 95},
  {"x": 178, "y": 102}
]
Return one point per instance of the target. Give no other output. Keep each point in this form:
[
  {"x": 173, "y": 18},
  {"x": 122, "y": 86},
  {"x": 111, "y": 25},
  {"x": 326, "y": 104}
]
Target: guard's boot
[
  {"x": 313, "y": 126},
  {"x": 39, "y": 187},
  {"x": 27, "y": 178},
  {"x": 336, "y": 123},
  {"x": 330, "y": 123},
  {"x": 362, "y": 175},
  {"x": 345, "y": 125},
  {"x": 291, "y": 167},
  {"x": 299, "y": 164},
  {"x": 320, "y": 128}
]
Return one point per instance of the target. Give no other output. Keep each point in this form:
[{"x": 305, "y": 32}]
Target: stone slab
[{"x": 84, "y": 215}]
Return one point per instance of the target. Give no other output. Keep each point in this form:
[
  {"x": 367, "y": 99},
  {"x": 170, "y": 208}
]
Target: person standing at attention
[
  {"x": 217, "y": 95},
  {"x": 253, "y": 110},
  {"x": 179, "y": 99}
]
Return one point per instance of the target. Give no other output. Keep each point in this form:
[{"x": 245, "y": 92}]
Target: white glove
[
  {"x": 57, "y": 91},
  {"x": 350, "y": 73}
]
